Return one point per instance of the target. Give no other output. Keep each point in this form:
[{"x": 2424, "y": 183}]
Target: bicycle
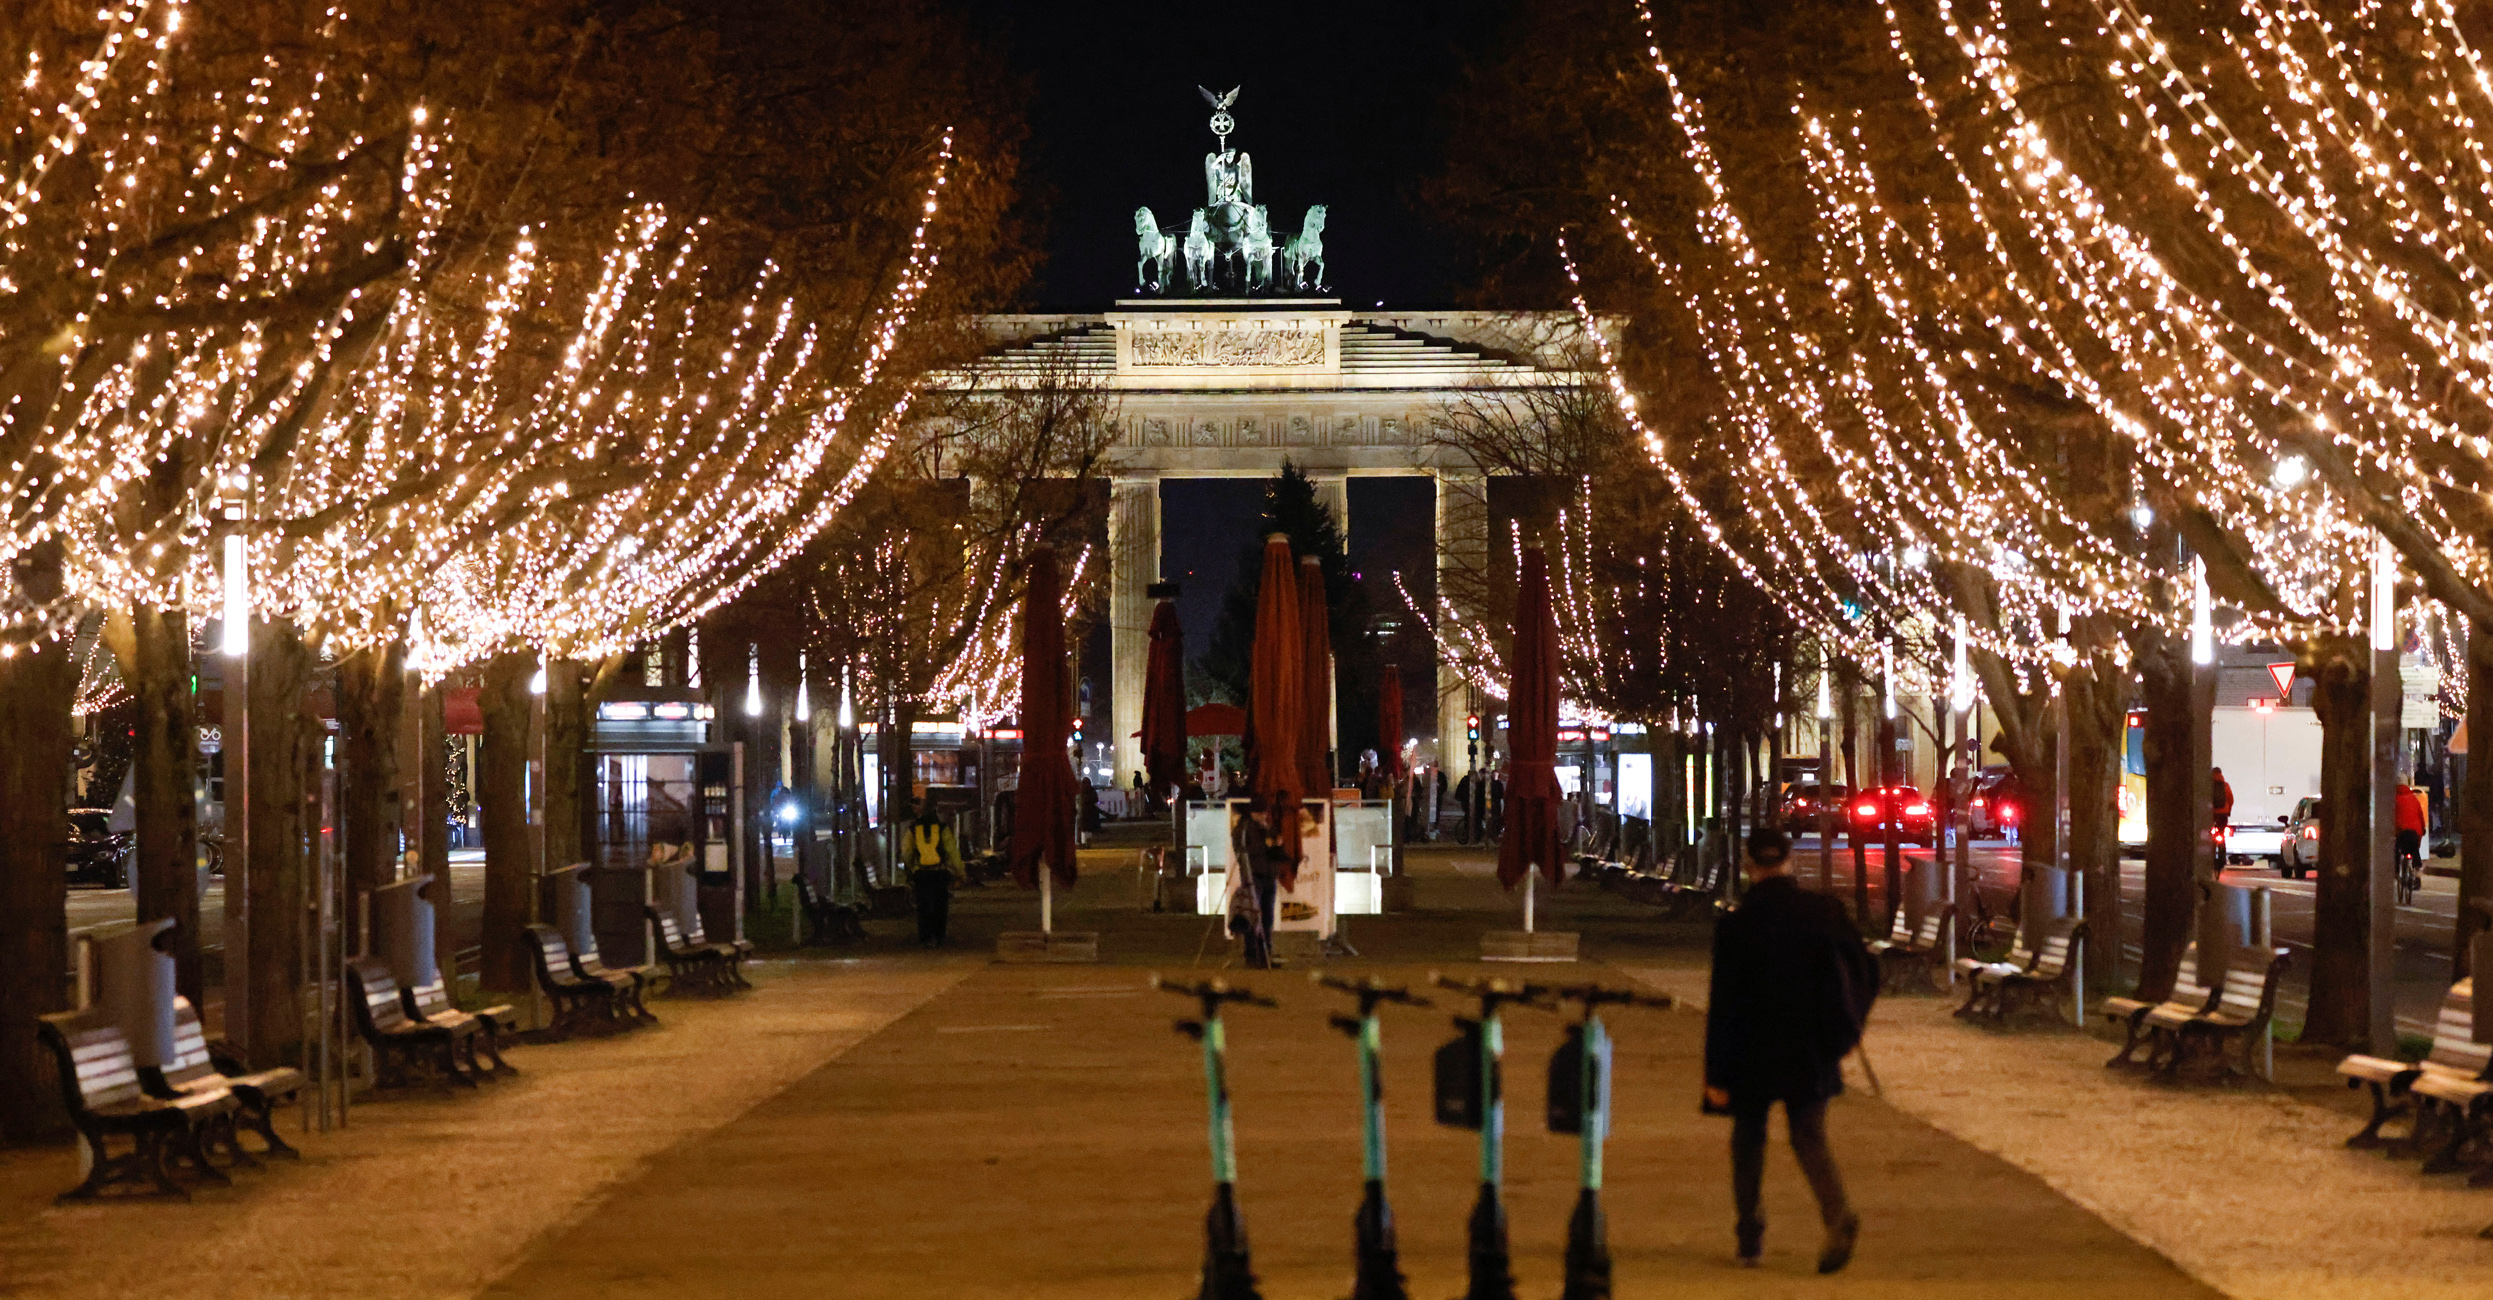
[{"x": 2410, "y": 878}]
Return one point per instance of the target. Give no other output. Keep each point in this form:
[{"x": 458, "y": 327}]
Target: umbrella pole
[
  {"x": 1530, "y": 878},
  {"x": 1047, "y": 900}
]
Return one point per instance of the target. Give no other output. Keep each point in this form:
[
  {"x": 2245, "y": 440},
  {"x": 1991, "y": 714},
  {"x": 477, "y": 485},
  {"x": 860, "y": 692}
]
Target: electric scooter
[
  {"x": 1379, "y": 1275},
  {"x": 1228, "y": 1272},
  {"x": 1579, "y": 1103},
  {"x": 1469, "y": 1096}
]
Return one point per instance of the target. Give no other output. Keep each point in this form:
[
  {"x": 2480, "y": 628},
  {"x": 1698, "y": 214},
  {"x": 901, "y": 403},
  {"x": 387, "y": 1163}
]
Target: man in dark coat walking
[{"x": 1791, "y": 987}]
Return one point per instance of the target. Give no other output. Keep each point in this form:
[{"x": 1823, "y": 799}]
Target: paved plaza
[{"x": 900, "y": 1123}]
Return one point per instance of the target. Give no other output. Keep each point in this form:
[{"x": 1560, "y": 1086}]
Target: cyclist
[{"x": 2410, "y": 842}]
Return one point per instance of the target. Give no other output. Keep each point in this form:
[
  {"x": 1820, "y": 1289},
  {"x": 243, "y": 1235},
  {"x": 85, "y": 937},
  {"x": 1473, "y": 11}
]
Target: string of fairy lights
[
  {"x": 257, "y": 307},
  {"x": 2315, "y": 383}
]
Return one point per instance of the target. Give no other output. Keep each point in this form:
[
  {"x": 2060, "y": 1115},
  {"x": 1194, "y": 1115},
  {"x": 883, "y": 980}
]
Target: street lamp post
[
  {"x": 1826, "y": 783},
  {"x": 237, "y": 749}
]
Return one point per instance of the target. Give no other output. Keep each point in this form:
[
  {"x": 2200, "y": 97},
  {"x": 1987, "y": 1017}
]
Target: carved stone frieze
[{"x": 1228, "y": 347}]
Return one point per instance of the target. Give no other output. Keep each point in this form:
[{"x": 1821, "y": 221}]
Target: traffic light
[
  {"x": 1077, "y": 731},
  {"x": 1471, "y": 727}
]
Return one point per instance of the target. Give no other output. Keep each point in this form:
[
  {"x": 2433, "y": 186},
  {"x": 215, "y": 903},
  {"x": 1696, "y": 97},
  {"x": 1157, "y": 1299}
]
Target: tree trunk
[
  {"x": 2341, "y": 968},
  {"x": 163, "y": 785},
  {"x": 566, "y": 757},
  {"x": 372, "y": 707},
  {"x": 36, "y": 689},
  {"x": 2098, "y": 710},
  {"x": 2475, "y": 805},
  {"x": 285, "y": 736},
  {"x": 502, "y": 804},
  {"x": 2170, "y": 890}
]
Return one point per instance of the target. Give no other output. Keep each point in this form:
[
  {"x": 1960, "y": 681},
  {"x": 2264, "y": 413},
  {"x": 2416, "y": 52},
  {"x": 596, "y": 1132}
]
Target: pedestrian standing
[
  {"x": 2220, "y": 800},
  {"x": 934, "y": 860},
  {"x": 1255, "y": 858},
  {"x": 1792, "y": 984}
]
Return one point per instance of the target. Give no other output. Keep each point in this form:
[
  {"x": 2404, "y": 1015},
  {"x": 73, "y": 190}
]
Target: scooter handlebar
[
  {"x": 1367, "y": 990},
  {"x": 1212, "y": 993},
  {"x": 1594, "y": 995}
]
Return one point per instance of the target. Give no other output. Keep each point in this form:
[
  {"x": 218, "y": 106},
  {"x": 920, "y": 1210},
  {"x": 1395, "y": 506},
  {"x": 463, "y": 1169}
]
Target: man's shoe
[
  {"x": 1752, "y": 1235},
  {"x": 1840, "y": 1236}
]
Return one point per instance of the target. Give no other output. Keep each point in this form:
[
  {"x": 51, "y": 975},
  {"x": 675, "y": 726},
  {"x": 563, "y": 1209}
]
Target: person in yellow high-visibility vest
[{"x": 933, "y": 855}]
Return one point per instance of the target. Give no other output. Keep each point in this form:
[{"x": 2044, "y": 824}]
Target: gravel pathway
[
  {"x": 2247, "y": 1189},
  {"x": 435, "y": 1194}
]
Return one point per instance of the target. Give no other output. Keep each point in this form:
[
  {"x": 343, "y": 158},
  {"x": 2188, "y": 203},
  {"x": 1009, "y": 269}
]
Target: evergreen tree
[{"x": 1290, "y": 506}]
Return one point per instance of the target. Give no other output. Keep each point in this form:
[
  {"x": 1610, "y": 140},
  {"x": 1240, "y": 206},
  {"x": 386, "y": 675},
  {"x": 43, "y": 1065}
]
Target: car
[
  {"x": 1802, "y": 803},
  {"x": 2248, "y": 843},
  {"x": 2300, "y": 851},
  {"x": 1907, "y": 809},
  {"x": 1997, "y": 804}
]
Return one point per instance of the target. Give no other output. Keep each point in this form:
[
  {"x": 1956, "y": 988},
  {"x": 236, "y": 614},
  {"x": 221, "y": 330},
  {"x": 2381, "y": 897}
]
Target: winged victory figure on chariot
[{"x": 1228, "y": 245}]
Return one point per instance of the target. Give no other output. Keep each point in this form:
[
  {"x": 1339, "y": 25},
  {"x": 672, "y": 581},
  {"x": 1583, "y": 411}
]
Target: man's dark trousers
[{"x": 933, "y": 886}]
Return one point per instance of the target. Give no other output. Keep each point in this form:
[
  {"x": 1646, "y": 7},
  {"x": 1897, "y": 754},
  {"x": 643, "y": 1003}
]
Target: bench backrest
[
  {"x": 669, "y": 936},
  {"x": 1928, "y": 935},
  {"x": 430, "y": 1000},
  {"x": 1900, "y": 930},
  {"x": 2186, "y": 985},
  {"x": 97, "y": 1066},
  {"x": 376, "y": 991},
  {"x": 190, "y": 1046},
  {"x": 2454, "y": 1044},
  {"x": 2059, "y": 942},
  {"x": 553, "y": 953},
  {"x": 2247, "y": 977},
  {"x": 805, "y": 893}
]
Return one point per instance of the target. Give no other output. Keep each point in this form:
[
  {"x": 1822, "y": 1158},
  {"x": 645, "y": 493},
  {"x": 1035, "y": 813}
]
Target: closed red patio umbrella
[
  {"x": 1315, "y": 734},
  {"x": 1276, "y": 684},
  {"x": 1532, "y": 733},
  {"x": 1164, "y": 693},
  {"x": 1043, "y": 809}
]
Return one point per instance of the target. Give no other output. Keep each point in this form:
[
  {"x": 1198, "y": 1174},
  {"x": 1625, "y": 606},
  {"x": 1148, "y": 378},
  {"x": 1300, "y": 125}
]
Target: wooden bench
[
  {"x": 1972, "y": 971},
  {"x": 431, "y": 1004},
  {"x": 2454, "y": 1110},
  {"x": 2244, "y": 1003},
  {"x": 826, "y": 922},
  {"x": 630, "y": 983},
  {"x": 580, "y": 1003},
  {"x": 195, "y": 1069},
  {"x": 100, "y": 1083},
  {"x": 2002, "y": 992},
  {"x": 738, "y": 950},
  {"x": 2454, "y": 1051},
  {"x": 2189, "y": 999},
  {"x": 396, "y": 1038},
  {"x": 1906, "y": 950},
  {"x": 692, "y": 963}
]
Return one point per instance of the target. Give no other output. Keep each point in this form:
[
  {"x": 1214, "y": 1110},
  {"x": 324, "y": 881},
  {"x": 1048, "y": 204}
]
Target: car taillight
[
  {"x": 1917, "y": 810},
  {"x": 1977, "y": 803},
  {"x": 2311, "y": 830},
  {"x": 2008, "y": 814},
  {"x": 1865, "y": 810}
]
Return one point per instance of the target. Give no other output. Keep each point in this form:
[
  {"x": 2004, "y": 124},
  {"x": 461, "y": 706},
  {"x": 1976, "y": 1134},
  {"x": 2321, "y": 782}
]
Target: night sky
[{"x": 1341, "y": 107}]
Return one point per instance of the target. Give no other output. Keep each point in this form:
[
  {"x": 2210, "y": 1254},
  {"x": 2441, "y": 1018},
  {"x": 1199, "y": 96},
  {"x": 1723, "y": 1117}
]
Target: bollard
[
  {"x": 1228, "y": 1270},
  {"x": 1378, "y": 1261},
  {"x": 1579, "y": 1103}
]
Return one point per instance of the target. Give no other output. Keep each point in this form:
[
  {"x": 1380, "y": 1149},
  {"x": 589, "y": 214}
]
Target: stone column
[
  {"x": 1462, "y": 561},
  {"x": 1333, "y": 493},
  {"x": 1133, "y": 565}
]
